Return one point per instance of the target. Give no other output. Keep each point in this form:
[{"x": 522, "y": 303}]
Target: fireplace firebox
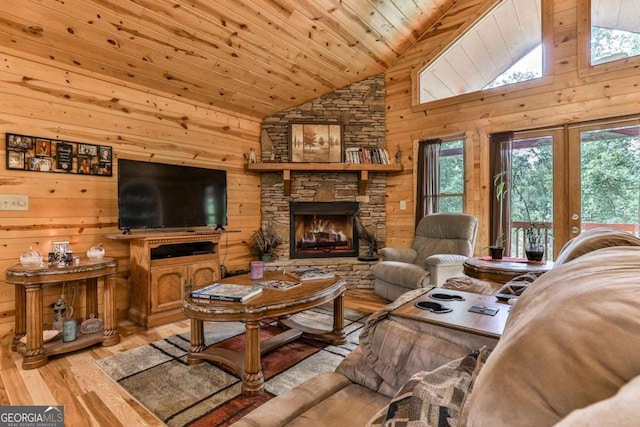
[{"x": 323, "y": 230}]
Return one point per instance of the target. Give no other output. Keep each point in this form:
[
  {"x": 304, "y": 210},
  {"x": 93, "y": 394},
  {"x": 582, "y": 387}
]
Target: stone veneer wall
[{"x": 360, "y": 109}]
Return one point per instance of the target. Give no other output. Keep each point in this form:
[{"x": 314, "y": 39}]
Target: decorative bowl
[
  {"x": 47, "y": 335},
  {"x": 95, "y": 252},
  {"x": 31, "y": 258}
]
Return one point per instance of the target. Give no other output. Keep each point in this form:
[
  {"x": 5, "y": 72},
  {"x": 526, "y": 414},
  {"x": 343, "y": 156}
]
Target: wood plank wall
[
  {"x": 41, "y": 100},
  {"x": 563, "y": 97}
]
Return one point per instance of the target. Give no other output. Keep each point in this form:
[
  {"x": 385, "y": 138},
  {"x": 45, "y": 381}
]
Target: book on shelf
[
  {"x": 366, "y": 155},
  {"x": 279, "y": 284},
  {"x": 312, "y": 273},
  {"x": 226, "y": 292}
]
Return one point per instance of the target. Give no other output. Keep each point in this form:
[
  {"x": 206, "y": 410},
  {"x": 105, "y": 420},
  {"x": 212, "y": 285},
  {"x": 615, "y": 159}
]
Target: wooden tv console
[{"x": 161, "y": 263}]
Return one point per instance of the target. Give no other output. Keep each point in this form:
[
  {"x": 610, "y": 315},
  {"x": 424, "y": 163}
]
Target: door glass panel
[
  {"x": 532, "y": 191},
  {"x": 610, "y": 178}
]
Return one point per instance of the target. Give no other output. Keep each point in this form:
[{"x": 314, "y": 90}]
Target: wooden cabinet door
[
  {"x": 204, "y": 273},
  {"x": 167, "y": 287}
]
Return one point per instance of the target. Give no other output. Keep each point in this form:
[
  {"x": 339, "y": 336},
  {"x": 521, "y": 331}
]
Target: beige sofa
[{"x": 568, "y": 357}]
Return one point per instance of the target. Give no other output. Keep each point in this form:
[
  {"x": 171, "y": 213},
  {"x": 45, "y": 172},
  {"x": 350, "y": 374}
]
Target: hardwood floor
[{"x": 90, "y": 397}]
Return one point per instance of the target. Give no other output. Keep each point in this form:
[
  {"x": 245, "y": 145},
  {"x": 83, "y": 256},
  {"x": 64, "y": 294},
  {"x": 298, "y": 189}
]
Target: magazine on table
[
  {"x": 312, "y": 273},
  {"x": 279, "y": 284},
  {"x": 226, "y": 292}
]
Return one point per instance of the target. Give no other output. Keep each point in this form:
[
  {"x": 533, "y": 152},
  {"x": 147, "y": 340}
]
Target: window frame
[
  {"x": 419, "y": 192},
  {"x": 585, "y": 68},
  {"x": 547, "y": 67}
]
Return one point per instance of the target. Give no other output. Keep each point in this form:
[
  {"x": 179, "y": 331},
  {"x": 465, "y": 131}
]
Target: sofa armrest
[
  {"x": 407, "y": 255},
  {"x": 286, "y": 407}
]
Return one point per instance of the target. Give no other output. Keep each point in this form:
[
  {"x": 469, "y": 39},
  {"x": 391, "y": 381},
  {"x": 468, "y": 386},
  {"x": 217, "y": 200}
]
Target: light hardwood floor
[{"x": 89, "y": 396}]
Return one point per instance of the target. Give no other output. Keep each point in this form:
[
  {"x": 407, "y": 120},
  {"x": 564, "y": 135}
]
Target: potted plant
[
  {"x": 263, "y": 242},
  {"x": 500, "y": 182}
]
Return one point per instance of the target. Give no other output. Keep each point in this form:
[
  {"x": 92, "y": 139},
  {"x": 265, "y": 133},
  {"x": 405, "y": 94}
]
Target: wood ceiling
[{"x": 255, "y": 57}]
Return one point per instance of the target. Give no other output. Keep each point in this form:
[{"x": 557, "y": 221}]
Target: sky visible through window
[{"x": 527, "y": 68}]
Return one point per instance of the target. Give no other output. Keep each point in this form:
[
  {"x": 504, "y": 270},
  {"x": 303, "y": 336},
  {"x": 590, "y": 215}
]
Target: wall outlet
[
  {"x": 403, "y": 205},
  {"x": 12, "y": 202}
]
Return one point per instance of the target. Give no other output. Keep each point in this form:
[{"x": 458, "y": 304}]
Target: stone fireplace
[
  {"x": 360, "y": 108},
  {"x": 323, "y": 230}
]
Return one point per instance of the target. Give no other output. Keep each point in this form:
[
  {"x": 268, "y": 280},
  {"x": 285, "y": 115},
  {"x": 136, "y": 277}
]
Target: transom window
[
  {"x": 503, "y": 48},
  {"x": 615, "y": 30}
]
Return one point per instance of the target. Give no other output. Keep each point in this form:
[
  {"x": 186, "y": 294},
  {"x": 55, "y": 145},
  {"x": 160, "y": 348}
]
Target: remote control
[{"x": 506, "y": 297}]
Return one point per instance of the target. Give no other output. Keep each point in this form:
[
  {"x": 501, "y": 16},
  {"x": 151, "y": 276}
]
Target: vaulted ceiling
[{"x": 255, "y": 57}]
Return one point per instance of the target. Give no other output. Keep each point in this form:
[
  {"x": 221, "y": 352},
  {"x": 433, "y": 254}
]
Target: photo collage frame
[{"x": 36, "y": 154}]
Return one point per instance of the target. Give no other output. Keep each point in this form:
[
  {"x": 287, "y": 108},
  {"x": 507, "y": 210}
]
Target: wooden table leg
[
  {"x": 110, "y": 332},
  {"x": 338, "y": 320},
  {"x": 252, "y": 379},
  {"x": 20, "y": 326},
  {"x": 34, "y": 355},
  {"x": 197, "y": 341}
]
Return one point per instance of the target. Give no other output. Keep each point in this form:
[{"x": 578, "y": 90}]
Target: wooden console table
[{"x": 29, "y": 283}]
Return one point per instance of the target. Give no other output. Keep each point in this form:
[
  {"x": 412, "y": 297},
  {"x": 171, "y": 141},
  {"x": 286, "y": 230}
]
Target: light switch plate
[
  {"x": 403, "y": 205},
  {"x": 12, "y": 202}
]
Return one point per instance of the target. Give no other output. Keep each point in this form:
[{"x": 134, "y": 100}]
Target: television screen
[{"x": 158, "y": 195}]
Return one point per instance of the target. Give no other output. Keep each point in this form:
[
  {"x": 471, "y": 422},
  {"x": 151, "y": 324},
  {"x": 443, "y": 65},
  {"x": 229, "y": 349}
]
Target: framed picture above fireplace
[{"x": 315, "y": 143}]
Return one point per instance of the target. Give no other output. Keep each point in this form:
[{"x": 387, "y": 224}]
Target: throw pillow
[{"x": 434, "y": 398}]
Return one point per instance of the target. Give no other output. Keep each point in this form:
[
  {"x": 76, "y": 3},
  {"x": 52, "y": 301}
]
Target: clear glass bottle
[{"x": 59, "y": 313}]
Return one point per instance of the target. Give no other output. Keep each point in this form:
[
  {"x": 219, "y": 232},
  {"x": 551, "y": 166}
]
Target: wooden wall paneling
[
  {"x": 71, "y": 105},
  {"x": 563, "y": 98}
]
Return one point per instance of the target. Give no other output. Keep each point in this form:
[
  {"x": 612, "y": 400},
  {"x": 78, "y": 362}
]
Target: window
[
  {"x": 615, "y": 27},
  {"x": 440, "y": 176},
  {"x": 489, "y": 54},
  {"x": 608, "y": 35}
]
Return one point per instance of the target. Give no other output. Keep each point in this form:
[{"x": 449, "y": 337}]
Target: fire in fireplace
[{"x": 323, "y": 229}]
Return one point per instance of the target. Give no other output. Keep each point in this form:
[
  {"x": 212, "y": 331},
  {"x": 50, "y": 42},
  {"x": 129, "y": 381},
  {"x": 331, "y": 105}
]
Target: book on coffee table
[
  {"x": 278, "y": 284},
  {"x": 226, "y": 292},
  {"x": 312, "y": 273}
]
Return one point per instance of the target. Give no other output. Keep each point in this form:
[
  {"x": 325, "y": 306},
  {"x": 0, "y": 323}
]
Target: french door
[{"x": 603, "y": 167}]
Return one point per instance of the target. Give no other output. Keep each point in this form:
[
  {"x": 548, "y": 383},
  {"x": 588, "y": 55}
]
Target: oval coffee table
[{"x": 270, "y": 303}]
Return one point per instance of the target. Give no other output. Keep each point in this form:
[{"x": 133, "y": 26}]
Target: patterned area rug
[{"x": 208, "y": 394}]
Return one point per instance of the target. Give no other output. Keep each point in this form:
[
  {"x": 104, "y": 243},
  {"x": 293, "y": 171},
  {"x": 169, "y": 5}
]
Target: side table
[
  {"x": 503, "y": 270},
  {"x": 29, "y": 283}
]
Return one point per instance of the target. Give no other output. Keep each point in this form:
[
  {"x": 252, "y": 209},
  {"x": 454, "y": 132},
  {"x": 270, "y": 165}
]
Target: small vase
[
  {"x": 496, "y": 252},
  {"x": 534, "y": 252},
  {"x": 266, "y": 257}
]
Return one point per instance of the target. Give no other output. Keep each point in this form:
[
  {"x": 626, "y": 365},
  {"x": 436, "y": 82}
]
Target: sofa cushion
[
  {"x": 621, "y": 410},
  {"x": 594, "y": 239},
  {"x": 433, "y": 398},
  {"x": 353, "y": 404},
  {"x": 569, "y": 342}
]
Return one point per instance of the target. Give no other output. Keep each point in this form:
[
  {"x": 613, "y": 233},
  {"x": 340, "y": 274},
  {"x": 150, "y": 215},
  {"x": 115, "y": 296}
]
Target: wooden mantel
[{"x": 286, "y": 168}]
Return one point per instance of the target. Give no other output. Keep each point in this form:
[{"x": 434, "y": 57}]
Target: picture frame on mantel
[{"x": 315, "y": 142}]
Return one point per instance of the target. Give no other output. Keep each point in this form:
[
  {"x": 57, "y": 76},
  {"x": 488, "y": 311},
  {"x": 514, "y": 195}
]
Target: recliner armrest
[
  {"x": 444, "y": 260},
  {"x": 407, "y": 255},
  {"x": 444, "y": 266}
]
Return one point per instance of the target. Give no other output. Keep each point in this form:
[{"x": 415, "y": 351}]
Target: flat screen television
[{"x": 158, "y": 195}]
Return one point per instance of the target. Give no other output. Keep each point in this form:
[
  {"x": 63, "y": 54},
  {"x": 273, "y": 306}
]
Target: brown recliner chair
[{"x": 441, "y": 245}]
